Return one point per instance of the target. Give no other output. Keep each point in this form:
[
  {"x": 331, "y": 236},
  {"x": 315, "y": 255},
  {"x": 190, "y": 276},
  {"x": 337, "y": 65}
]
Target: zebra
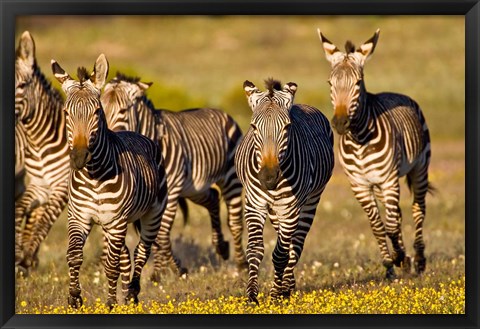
[
  {"x": 198, "y": 147},
  {"x": 38, "y": 110},
  {"x": 284, "y": 163},
  {"x": 115, "y": 179},
  {"x": 382, "y": 138},
  {"x": 20, "y": 143}
]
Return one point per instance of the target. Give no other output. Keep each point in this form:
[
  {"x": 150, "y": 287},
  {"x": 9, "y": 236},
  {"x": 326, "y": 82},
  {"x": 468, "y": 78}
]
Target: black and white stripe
[
  {"x": 198, "y": 146},
  {"x": 382, "y": 137},
  {"x": 38, "y": 109},
  {"x": 115, "y": 179},
  {"x": 284, "y": 163}
]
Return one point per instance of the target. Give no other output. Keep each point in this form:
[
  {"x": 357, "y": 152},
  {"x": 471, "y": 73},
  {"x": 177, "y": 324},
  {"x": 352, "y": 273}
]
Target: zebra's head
[
  {"x": 25, "y": 67},
  {"x": 85, "y": 116},
  {"x": 346, "y": 79},
  {"x": 269, "y": 124},
  {"x": 119, "y": 98}
]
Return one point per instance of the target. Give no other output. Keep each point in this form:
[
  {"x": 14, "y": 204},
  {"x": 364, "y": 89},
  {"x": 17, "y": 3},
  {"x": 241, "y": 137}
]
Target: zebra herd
[{"x": 116, "y": 159}]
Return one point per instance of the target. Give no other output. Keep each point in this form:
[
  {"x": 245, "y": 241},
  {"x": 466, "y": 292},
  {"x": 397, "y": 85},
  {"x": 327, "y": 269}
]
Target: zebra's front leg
[
  {"x": 23, "y": 207},
  {"x": 77, "y": 234},
  {"x": 52, "y": 210},
  {"x": 367, "y": 200},
  {"x": 255, "y": 220},
  {"x": 125, "y": 268},
  {"x": 115, "y": 234}
]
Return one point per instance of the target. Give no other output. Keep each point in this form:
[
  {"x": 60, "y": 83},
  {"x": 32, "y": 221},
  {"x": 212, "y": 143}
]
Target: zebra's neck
[
  {"x": 363, "y": 126},
  {"x": 103, "y": 164},
  {"x": 47, "y": 122},
  {"x": 148, "y": 118}
]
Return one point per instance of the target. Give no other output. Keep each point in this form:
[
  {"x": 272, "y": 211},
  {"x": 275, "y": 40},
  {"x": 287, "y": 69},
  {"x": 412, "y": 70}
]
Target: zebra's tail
[
  {"x": 182, "y": 202},
  {"x": 430, "y": 188}
]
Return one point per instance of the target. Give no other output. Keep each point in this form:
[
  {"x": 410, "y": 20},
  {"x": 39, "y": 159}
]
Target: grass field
[{"x": 203, "y": 61}]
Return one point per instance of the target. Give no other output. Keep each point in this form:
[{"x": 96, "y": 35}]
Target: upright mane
[
  {"x": 349, "y": 47},
  {"x": 83, "y": 74},
  {"x": 122, "y": 77},
  {"x": 272, "y": 85}
]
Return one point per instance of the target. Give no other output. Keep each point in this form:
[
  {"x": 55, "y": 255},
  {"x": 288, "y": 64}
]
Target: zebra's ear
[
  {"x": 100, "y": 72},
  {"x": 249, "y": 88},
  {"x": 144, "y": 85},
  {"x": 332, "y": 53},
  {"x": 59, "y": 73},
  {"x": 290, "y": 87},
  {"x": 26, "y": 48},
  {"x": 366, "y": 49}
]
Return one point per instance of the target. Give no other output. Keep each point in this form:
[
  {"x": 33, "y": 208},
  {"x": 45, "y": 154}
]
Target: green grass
[{"x": 199, "y": 61}]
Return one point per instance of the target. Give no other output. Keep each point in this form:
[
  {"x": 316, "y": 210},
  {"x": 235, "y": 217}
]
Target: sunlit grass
[{"x": 402, "y": 297}]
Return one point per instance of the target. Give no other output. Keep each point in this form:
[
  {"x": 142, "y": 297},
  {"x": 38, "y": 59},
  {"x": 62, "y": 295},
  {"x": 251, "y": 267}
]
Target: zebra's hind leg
[
  {"x": 232, "y": 194},
  {"x": 148, "y": 232},
  {"x": 306, "y": 217},
  {"x": 367, "y": 201},
  {"x": 125, "y": 269},
  {"x": 418, "y": 181},
  {"x": 162, "y": 246},
  {"x": 391, "y": 200},
  {"x": 210, "y": 200}
]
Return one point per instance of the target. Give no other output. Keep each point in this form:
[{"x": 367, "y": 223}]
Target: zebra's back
[
  {"x": 207, "y": 139},
  {"x": 408, "y": 126}
]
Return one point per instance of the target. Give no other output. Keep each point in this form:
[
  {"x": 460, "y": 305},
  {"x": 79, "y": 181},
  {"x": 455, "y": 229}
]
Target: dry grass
[{"x": 196, "y": 61}]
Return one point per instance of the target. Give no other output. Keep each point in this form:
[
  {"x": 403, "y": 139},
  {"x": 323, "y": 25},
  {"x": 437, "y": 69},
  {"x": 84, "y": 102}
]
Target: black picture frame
[{"x": 12, "y": 8}]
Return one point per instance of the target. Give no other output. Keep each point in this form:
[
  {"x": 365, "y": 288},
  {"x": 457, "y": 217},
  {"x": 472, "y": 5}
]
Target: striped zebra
[
  {"x": 20, "y": 143},
  {"x": 284, "y": 163},
  {"x": 382, "y": 137},
  {"x": 38, "y": 108},
  {"x": 198, "y": 147},
  {"x": 116, "y": 179}
]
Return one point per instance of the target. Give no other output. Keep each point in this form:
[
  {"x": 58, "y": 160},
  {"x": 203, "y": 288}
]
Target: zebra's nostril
[
  {"x": 79, "y": 158},
  {"x": 341, "y": 124}
]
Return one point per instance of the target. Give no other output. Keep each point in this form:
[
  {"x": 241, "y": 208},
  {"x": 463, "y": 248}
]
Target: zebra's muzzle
[
  {"x": 269, "y": 177},
  {"x": 79, "y": 158},
  {"x": 341, "y": 124}
]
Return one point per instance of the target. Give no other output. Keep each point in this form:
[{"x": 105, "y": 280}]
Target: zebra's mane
[
  {"x": 349, "y": 47},
  {"x": 271, "y": 84},
  {"x": 83, "y": 74},
  {"x": 122, "y": 77}
]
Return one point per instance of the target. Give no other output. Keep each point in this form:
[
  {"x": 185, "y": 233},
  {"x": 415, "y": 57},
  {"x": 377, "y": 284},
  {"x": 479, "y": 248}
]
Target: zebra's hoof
[
  {"x": 111, "y": 303},
  {"x": 390, "y": 275},
  {"x": 398, "y": 258},
  {"x": 133, "y": 289},
  {"x": 406, "y": 265},
  {"x": 182, "y": 272},
  {"x": 131, "y": 298},
  {"x": 223, "y": 249},
  {"x": 253, "y": 299},
  {"x": 243, "y": 266},
  {"x": 75, "y": 301},
  {"x": 21, "y": 271},
  {"x": 420, "y": 264}
]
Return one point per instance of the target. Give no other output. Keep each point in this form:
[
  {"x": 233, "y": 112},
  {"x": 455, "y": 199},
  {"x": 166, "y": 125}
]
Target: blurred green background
[{"x": 203, "y": 60}]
